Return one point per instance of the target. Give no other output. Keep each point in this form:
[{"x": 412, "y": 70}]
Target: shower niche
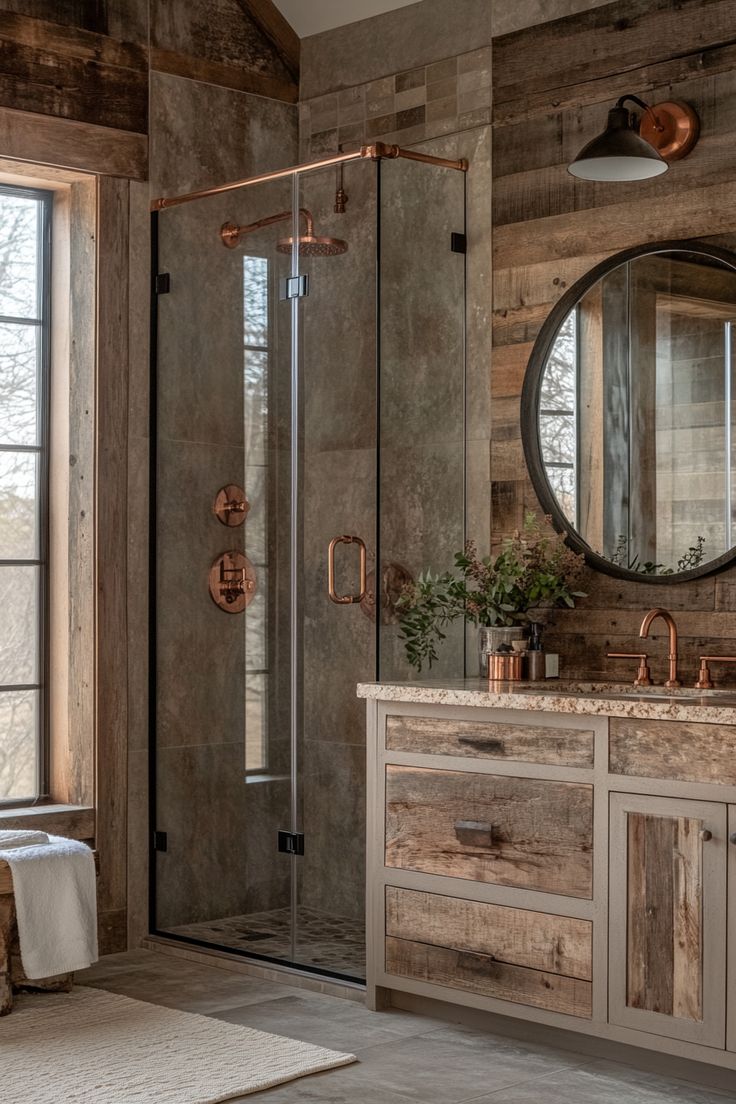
[{"x": 309, "y": 356}]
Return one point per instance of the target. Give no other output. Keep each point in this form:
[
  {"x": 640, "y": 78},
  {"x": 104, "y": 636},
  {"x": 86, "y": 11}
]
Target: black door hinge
[
  {"x": 160, "y": 841},
  {"x": 458, "y": 243},
  {"x": 294, "y": 287},
  {"x": 291, "y": 843},
  {"x": 162, "y": 283}
]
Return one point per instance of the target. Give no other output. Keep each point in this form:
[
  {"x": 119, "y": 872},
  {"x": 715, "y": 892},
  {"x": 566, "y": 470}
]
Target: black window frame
[{"x": 41, "y": 449}]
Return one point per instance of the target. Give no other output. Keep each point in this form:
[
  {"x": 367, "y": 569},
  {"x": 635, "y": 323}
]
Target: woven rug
[{"x": 94, "y": 1047}]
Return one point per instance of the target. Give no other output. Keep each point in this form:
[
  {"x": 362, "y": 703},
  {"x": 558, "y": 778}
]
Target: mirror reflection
[{"x": 635, "y": 413}]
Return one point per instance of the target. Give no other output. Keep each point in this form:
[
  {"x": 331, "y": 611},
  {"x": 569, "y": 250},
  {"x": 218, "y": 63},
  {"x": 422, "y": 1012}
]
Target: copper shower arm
[{"x": 231, "y": 234}]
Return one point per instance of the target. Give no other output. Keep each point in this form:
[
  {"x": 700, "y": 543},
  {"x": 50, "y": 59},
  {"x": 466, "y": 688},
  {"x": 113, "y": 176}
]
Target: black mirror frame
[{"x": 530, "y": 403}]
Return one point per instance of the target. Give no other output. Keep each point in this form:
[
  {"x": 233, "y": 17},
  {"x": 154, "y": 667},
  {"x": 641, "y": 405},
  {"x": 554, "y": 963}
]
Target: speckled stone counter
[{"x": 557, "y": 696}]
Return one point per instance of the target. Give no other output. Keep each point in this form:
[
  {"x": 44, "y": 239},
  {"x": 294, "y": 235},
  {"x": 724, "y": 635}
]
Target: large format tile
[
  {"x": 339, "y": 1024},
  {"x": 603, "y": 1082},
  {"x": 448, "y": 1066}
]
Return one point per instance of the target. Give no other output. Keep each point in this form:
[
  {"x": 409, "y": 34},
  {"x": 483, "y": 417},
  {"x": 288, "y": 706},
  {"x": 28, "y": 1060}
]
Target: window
[
  {"x": 25, "y": 258},
  {"x": 558, "y": 416},
  {"x": 255, "y": 394}
]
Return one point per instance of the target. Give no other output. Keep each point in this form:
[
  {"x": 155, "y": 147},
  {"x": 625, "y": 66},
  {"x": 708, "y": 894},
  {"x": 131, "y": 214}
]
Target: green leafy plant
[
  {"x": 533, "y": 569},
  {"x": 689, "y": 560}
]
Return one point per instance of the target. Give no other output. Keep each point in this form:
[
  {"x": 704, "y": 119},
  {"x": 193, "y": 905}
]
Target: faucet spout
[{"x": 669, "y": 621}]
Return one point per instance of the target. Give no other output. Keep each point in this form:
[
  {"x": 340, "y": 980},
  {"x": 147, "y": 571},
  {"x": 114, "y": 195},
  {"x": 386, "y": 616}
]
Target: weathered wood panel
[
  {"x": 111, "y": 722},
  {"x": 510, "y": 831},
  {"x": 664, "y": 956},
  {"x": 519, "y": 937},
  {"x": 482, "y": 974},
  {"x": 76, "y": 824},
  {"x": 668, "y": 749},
  {"x": 121, "y": 19},
  {"x": 43, "y": 140},
  {"x": 54, "y": 70},
  {"x": 218, "y": 42},
  {"x": 223, "y": 75},
  {"x": 277, "y": 30},
  {"x": 701, "y": 212},
  {"x": 587, "y": 47},
  {"x": 484, "y": 740}
]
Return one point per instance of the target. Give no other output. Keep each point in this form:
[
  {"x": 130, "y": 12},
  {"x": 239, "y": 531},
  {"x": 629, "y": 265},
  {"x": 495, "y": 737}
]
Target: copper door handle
[{"x": 346, "y": 599}]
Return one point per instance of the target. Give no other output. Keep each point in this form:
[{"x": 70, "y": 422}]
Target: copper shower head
[{"x": 310, "y": 244}]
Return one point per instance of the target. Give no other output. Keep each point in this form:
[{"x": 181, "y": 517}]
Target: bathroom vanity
[{"x": 564, "y": 855}]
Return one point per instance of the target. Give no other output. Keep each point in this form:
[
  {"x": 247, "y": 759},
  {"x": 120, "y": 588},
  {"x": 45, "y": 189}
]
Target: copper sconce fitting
[
  {"x": 231, "y": 506},
  {"x": 643, "y": 674},
  {"x": 638, "y": 148},
  {"x": 232, "y": 582},
  {"x": 705, "y": 682}
]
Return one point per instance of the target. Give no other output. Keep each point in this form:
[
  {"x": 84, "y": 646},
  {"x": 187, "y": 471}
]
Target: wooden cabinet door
[{"x": 667, "y": 954}]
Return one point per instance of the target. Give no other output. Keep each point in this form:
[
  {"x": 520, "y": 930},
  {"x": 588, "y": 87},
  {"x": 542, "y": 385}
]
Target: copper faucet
[{"x": 669, "y": 620}]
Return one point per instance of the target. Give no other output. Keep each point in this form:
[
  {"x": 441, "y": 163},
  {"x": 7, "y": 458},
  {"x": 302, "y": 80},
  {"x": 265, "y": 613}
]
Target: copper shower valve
[
  {"x": 232, "y": 582},
  {"x": 231, "y": 506}
]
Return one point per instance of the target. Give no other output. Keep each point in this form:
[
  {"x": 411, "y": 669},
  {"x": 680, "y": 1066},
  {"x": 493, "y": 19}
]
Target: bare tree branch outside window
[{"x": 24, "y": 267}]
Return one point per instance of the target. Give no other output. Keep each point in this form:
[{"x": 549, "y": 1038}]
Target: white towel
[
  {"x": 55, "y": 904},
  {"x": 10, "y": 839}
]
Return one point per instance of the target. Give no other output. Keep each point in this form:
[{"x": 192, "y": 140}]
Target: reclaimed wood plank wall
[
  {"x": 553, "y": 85},
  {"x": 88, "y": 62}
]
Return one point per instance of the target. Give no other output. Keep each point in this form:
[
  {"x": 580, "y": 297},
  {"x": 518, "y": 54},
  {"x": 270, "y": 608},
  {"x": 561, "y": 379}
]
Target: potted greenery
[{"x": 533, "y": 569}]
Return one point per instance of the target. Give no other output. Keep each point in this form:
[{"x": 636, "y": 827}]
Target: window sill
[{"x": 75, "y": 821}]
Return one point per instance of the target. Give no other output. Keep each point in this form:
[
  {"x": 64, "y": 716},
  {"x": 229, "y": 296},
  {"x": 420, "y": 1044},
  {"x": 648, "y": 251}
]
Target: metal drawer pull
[
  {"x": 474, "y": 834},
  {"x": 346, "y": 599},
  {"x": 706, "y": 835},
  {"x": 732, "y": 837}
]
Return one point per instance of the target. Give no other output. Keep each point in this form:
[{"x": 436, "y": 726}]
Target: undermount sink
[
  {"x": 626, "y": 692},
  {"x": 645, "y": 695}
]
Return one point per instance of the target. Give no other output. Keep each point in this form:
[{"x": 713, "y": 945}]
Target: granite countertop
[{"x": 559, "y": 696}]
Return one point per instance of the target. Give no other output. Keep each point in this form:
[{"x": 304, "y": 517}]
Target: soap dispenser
[{"x": 535, "y": 655}]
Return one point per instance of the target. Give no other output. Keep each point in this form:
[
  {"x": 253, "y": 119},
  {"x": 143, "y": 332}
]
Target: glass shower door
[
  {"x": 337, "y": 364},
  {"x": 221, "y": 562}
]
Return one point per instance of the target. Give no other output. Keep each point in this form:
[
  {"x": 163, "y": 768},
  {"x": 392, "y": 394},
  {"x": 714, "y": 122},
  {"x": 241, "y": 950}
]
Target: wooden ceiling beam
[{"x": 277, "y": 30}]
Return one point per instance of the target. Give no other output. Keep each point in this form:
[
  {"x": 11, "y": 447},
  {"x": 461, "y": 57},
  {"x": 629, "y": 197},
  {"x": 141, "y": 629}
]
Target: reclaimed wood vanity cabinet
[{"x": 568, "y": 867}]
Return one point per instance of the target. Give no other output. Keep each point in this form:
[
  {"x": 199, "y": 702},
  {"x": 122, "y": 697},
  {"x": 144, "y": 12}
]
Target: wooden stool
[{"x": 12, "y": 978}]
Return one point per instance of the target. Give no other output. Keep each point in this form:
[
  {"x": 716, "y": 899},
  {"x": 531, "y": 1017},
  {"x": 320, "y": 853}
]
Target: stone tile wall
[{"x": 408, "y": 107}]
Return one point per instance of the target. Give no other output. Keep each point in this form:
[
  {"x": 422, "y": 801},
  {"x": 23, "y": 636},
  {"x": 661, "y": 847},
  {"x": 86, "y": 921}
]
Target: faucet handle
[
  {"x": 705, "y": 682},
  {"x": 643, "y": 674}
]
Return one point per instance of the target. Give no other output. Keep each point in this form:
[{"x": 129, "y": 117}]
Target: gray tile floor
[{"x": 403, "y": 1058}]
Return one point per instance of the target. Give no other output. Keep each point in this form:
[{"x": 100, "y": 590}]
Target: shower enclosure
[{"x": 308, "y": 458}]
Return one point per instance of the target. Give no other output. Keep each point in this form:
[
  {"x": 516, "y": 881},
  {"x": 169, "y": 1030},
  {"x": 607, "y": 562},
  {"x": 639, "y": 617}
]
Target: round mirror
[{"x": 628, "y": 416}]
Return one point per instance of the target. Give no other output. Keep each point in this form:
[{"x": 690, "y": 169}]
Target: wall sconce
[{"x": 633, "y": 148}]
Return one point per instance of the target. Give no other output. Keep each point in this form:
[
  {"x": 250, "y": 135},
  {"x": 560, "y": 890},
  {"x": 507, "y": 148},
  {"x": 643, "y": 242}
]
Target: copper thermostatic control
[
  {"x": 231, "y": 506},
  {"x": 232, "y": 582}
]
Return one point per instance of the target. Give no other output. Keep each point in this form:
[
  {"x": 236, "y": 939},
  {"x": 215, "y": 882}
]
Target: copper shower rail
[{"x": 377, "y": 152}]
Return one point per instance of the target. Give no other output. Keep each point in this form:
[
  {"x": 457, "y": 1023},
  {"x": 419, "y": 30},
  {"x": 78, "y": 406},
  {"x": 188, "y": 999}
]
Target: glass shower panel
[
  {"x": 223, "y": 781},
  {"x": 337, "y": 361},
  {"x": 421, "y": 462}
]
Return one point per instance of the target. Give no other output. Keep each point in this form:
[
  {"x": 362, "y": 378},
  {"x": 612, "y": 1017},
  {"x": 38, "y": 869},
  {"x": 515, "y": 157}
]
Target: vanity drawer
[
  {"x": 673, "y": 749},
  {"x": 511, "y": 831},
  {"x": 525, "y": 743},
  {"x": 512, "y": 954}
]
